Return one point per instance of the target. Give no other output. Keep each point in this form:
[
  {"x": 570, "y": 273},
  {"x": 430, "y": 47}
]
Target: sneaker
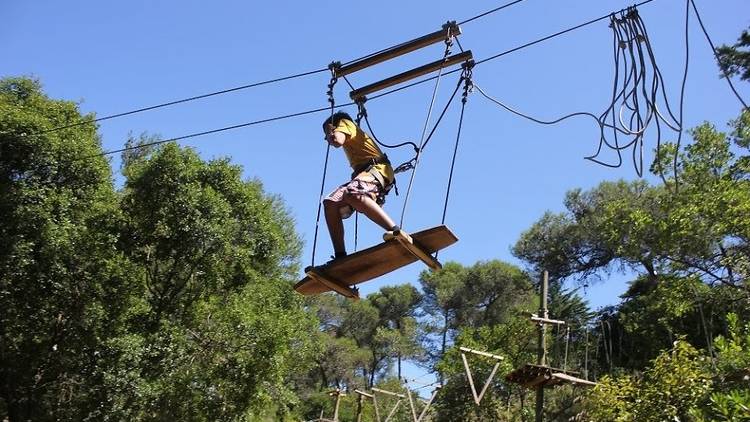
[{"x": 335, "y": 257}]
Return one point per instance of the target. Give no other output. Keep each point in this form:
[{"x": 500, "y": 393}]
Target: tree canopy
[{"x": 169, "y": 297}]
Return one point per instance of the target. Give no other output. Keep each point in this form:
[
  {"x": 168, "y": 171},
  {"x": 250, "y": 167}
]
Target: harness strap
[
  {"x": 369, "y": 167},
  {"x": 366, "y": 166}
]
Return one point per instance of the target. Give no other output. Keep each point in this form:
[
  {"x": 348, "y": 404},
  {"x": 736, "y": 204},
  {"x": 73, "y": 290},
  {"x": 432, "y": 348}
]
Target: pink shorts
[{"x": 358, "y": 186}]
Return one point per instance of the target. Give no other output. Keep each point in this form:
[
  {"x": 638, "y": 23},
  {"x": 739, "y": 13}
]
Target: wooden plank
[
  {"x": 536, "y": 376},
  {"x": 534, "y": 382},
  {"x": 333, "y": 284},
  {"x": 407, "y": 242},
  {"x": 375, "y": 261}
]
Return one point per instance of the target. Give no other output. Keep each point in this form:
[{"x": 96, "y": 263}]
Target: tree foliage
[
  {"x": 62, "y": 283},
  {"x": 169, "y": 300},
  {"x": 735, "y": 59}
]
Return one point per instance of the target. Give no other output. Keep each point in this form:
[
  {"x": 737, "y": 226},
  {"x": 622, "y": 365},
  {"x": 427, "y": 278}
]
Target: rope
[
  {"x": 332, "y": 101},
  {"x": 489, "y": 12},
  {"x": 184, "y": 100},
  {"x": 424, "y": 144},
  {"x": 467, "y": 88},
  {"x": 682, "y": 97},
  {"x": 415, "y": 160},
  {"x": 716, "y": 54},
  {"x": 247, "y": 86},
  {"x": 556, "y": 34},
  {"x": 632, "y": 62}
]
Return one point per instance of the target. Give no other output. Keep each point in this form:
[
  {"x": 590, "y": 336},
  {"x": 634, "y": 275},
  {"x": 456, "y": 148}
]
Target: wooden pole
[
  {"x": 450, "y": 29},
  {"x": 338, "y": 395},
  {"x": 542, "y": 352},
  {"x": 358, "y": 94},
  {"x": 359, "y": 407}
]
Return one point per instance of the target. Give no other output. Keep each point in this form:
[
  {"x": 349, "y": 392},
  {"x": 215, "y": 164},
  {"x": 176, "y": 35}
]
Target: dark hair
[{"x": 336, "y": 118}]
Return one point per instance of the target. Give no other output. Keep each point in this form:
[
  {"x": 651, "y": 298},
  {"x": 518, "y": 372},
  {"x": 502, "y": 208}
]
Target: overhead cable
[
  {"x": 184, "y": 100},
  {"x": 238, "y": 88},
  {"x": 716, "y": 54},
  {"x": 557, "y": 34},
  {"x": 407, "y": 86}
]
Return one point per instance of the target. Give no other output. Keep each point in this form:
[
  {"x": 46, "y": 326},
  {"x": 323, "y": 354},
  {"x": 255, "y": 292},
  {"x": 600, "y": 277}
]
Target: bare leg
[
  {"x": 371, "y": 209},
  {"x": 335, "y": 225}
]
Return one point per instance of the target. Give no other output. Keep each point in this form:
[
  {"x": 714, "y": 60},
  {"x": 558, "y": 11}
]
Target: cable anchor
[{"x": 333, "y": 67}]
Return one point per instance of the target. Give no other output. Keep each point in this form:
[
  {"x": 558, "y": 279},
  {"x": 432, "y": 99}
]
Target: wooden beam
[
  {"x": 391, "y": 393},
  {"x": 362, "y": 393},
  {"x": 572, "y": 379},
  {"x": 478, "y": 352},
  {"x": 408, "y": 243},
  {"x": 478, "y": 397},
  {"x": 450, "y": 29},
  {"x": 427, "y": 404},
  {"x": 333, "y": 284},
  {"x": 536, "y": 318},
  {"x": 360, "y": 93}
]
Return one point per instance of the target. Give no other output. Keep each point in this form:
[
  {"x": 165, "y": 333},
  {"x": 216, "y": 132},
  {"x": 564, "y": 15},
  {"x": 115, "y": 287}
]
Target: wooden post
[
  {"x": 398, "y": 396},
  {"x": 338, "y": 395},
  {"x": 542, "y": 352},
  {"x": 362, "y": 395},
  {"x": 359, "y": 407}
]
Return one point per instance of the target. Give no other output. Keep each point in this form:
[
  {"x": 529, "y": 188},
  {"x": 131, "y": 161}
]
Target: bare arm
[{"x": 334, "y": 138}]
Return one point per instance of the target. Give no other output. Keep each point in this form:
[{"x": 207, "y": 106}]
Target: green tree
[
  {"x": 217, "y": 329},
  {"x": 688, "y": 246},
  {"x": 735, "y": 59},
  {"x": 442, "y": 301},
  {"x": 62, "y": 282},
  {"x": 397, "y": 307},
  {"x": 515, "y": 340},
  {"x": 458, "y": 297},
  {"x": 672, "y": 388}
]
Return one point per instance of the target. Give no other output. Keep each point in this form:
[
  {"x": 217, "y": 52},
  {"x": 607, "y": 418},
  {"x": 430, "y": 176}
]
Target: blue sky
[{"x": 117, "y": 56}]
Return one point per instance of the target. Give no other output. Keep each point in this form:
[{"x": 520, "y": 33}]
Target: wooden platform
[
  {"x": 535, "y": 376},
  {"x": 373, "y": 262}
]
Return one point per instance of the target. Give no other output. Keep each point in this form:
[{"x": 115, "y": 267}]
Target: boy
[{"x": 372, "y": 178}]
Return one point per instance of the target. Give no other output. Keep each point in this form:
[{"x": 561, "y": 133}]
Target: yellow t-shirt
[{"x": 360, "y": 148}]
